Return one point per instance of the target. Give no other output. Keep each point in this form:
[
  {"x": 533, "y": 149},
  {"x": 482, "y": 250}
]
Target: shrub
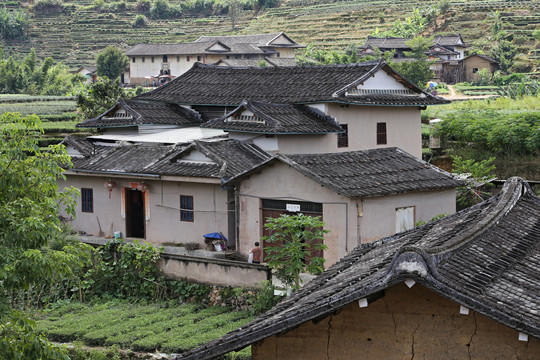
[
  {"x": 139, "y": 21},
  {"x": 48, "y": 6},
  {"x": 143, "y": 6}
]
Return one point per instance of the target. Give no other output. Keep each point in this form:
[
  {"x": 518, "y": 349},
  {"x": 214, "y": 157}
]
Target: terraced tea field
[{"x": 78, "y": 33}]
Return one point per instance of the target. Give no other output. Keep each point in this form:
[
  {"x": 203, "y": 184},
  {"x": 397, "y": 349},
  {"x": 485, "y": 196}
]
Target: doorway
[{"x": 135, "y": 225}]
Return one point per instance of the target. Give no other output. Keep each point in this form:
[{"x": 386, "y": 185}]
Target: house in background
[
  {"x": 89, "y": 72},
  {"x": 465, "y": 286},
  {"x": 149, "y": 62},
  {"x": 228, "y": 144},
  {"x": 450, "y": 64}
]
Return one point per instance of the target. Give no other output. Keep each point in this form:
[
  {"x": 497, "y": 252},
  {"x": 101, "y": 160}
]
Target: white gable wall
[{"x": 382, "y": 80}]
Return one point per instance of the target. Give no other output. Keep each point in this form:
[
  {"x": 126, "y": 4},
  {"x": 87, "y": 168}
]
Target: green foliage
[
  {"x": 264, "y": 299},
  {"x": 409, "y": 27},
  {"x": 111, "y": 62},
  {"x": 13, "y": 24},
  {"x": 482, "y": 78},
  {"x": 291, "y": 243},
  {"x": 497, "y": 132},
  {"x": 519, "y": 90},
  {"x": 125, "y": 270},
  {"x": 31, "y": 76},
  {"x": 314, "y": 56},
  {"x": 477, "y": 175},
  {"x": 162, "y": 326},
  {"x": 48, "y": 6},
  {"x": 20, "y": 340},
  {"x": 161, "y": 9},
  {"x": 416, "y": 71},
  {"x": 139, "y": 21},
  {"x": 99, "y": 97},
  {"x": 435, "y": 218},
  {"x": 143, "y": 6},
  {"x": 504, "y": 53}
]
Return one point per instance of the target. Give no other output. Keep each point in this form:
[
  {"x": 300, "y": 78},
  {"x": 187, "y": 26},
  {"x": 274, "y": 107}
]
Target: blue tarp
[{"x": 215, "y": 235}]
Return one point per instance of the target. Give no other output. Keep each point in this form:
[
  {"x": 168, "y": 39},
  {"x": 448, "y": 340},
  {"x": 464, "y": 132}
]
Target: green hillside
[{"x": 78, "y": 30}]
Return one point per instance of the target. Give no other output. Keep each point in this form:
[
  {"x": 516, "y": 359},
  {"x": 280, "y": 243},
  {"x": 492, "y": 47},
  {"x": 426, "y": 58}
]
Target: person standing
[{"x": 256, "y": 253}]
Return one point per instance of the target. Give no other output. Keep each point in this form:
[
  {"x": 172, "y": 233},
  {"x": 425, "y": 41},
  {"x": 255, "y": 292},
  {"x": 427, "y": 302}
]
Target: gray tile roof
[
  {"x": 144, "y": 113},
  {"x": 367, "y": 173},
  {"x": 485, "y": 257},
  {"x": 258, "y": 39},
  {"x": 221, "y": 85},
  {"x": 83, "y": 145},
  {"x": 227, "y": 158},
  {"x": 389, "y": 42},
  {"x": 199, "y": 48},
  {"x": 276, "y": 119}
]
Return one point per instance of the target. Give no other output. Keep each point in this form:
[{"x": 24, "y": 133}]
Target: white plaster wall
[
  {"x": 381, "y": 80},
  {"x": 307, "y": 144},
  {"x": 282, "y": 182},
  {"x": 164, "y": 224},
  {"x": 402, "y": 124},
  {"x": 379, "y": 213}
]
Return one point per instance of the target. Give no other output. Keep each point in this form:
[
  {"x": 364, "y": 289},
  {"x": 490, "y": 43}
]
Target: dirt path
[{"x": 452, "y": 95}]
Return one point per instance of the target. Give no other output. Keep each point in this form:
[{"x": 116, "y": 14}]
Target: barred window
[
  {"x": 87, "y": 200},
  {"x": 186, "y": 208}
]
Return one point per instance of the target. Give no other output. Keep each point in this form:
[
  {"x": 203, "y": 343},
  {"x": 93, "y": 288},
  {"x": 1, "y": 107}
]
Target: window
[
  {"x": 87, "y": 200},
  {"x": 133, "y": 59},
  {"x": 381, "y": 133},
  {"x": 152, "y": 59},
  {"x": 188, "y": 58},
  {"x": 165, "y": 58},
  {"x": 404, "y": 218},
  {"x": 143, "y": 59},
  {"x": 186, "y": 208},
  {"x": 178, "y": 59},
  {"x": 199, "y": 58},
  {"x": 343, "y": 138},
  {"x": 475, "y": 70}
]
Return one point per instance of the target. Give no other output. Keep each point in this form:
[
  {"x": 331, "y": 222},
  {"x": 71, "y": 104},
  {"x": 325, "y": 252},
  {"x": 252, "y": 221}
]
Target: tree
[
  {"x": 235, "y": 12},
  {"x": 417, "y": 71},
  {"x": 99, "y": 97},
  {"x": 504, "y": 53},
  {"x": 29, "y": 206},
  {"x": 477, "y": 175},
  {"x": 292, "y": 241},
  {"x": 111, "y": 62}
]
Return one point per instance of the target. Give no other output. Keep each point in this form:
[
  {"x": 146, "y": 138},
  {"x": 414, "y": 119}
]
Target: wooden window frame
[
  {"x": 382, "y": 133},
  {"x": 187, "y": 208},
  {"x": 343, "y": 138},
  {"x": 87, "y": 200}
]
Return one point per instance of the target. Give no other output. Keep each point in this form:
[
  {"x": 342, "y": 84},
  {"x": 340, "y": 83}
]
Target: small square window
[
  {"x": 199, "y": 58},
  {"x": 178, "y": 59},
  {"x": 475, "y": 70},
  {"x": 152, "y": 59},
  {"x": 186, "y": 208},
  {"x": 343, "y": 138},
  {"x": 188, "y": 58},
  {"x": 381, "y": 133},
  {"x": 165, "y": 59},
  {"x": 87, "y": 200},
  {"x": 133, "y": 59},
  {"x": 143, "y": 59}
]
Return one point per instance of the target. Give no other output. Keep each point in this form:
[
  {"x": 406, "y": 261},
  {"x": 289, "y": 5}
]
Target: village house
[
  {"x": 157, "y": 63},
  {"x": 450, "y": 64},
  {"x": 219, "y": 149},
  {"x": 462, "y": 287}
]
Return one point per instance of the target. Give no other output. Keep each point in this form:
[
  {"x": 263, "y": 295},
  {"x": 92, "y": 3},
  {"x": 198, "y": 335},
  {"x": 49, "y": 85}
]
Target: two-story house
[
  {"x": 223, "y": 148},
  {"x": 155, "y": 63}
]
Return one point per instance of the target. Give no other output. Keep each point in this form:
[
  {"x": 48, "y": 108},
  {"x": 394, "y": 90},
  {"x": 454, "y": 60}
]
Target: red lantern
[{"x": 110, "y": 185}]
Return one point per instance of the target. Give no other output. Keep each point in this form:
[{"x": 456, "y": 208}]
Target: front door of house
[
  {"x": 275, "y": 208},
  {"x": 135, "y": 224}
]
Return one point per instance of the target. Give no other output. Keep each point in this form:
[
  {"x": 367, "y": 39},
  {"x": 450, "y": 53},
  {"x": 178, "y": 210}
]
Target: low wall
[
  {"x": 208, "y": 267},
  {"x": 213, "y": 271}
]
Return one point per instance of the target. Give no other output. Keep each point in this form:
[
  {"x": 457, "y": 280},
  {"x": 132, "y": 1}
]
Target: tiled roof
[
  {"x": 221, "y": 85},
  {"x": 258, "y": 39},
  {"x": 196, "y": 48},
  {"x": 368, "y": 173},
  {"x": 82, "y": 145},
  {"x": 144, "y": 113},
  {"x": 275, "y": 61},
  {"x": 227, "y": 158},
  {"x": 485, "y": 257},
  {"x": 276, "y": 119},
  {"x": 482, "y": 57},
  {"x": 400, "y": 42},
  {"x": 270, "y": 61}
]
